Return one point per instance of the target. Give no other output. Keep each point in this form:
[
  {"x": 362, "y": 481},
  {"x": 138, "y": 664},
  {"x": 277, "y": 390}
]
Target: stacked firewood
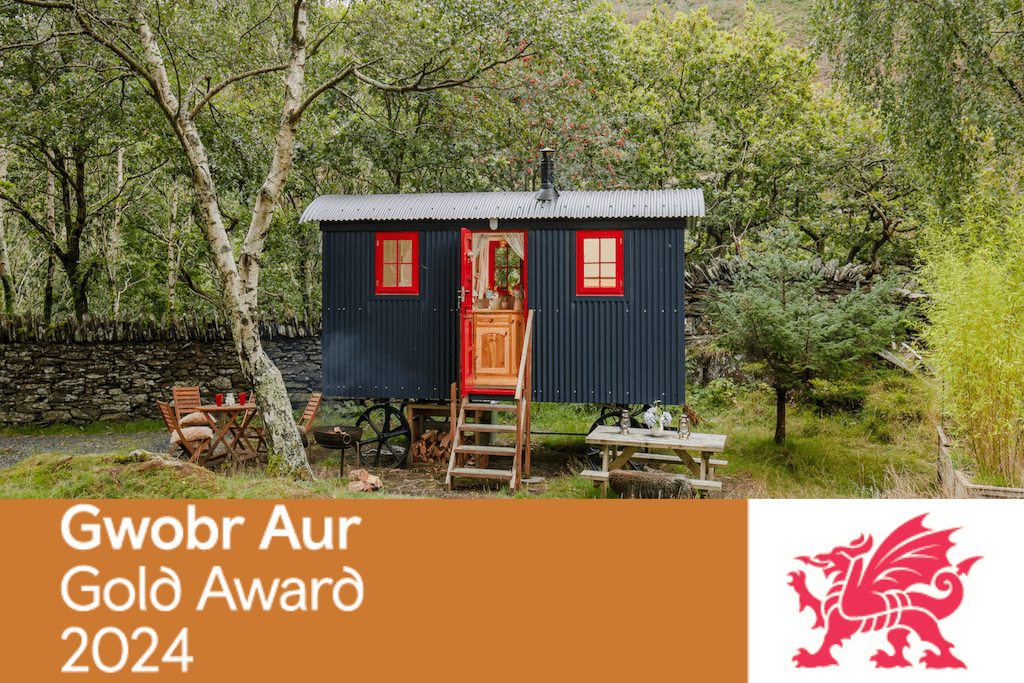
[{"x": 432, "y": 447}]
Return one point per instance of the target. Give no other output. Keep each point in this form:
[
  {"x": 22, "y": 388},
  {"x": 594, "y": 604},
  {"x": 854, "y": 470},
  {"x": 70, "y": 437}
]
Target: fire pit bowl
[{"x": 330, "y": 437}]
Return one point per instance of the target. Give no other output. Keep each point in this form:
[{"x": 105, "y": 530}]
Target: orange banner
[{"x": 375, "y": 590}]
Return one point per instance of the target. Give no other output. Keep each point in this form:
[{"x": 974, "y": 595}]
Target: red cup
[
  {"x": 241, "y": 398},
  {"x": 220, "y": 400}
]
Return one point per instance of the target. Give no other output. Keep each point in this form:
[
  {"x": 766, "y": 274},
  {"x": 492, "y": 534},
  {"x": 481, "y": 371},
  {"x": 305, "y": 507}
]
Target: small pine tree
[{"x": 773, "y": 315}]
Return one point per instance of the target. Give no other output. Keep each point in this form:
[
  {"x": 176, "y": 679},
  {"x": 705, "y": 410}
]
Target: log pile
[
  {"x": 432, "y": 447},
  {"x": 361, "y": 480}
]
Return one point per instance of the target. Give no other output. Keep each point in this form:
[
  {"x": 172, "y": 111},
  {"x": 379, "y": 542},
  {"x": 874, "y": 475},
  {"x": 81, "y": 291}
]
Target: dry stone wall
[{"x": 114, "y": 371}]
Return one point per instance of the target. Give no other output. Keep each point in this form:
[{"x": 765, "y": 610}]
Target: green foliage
[
  {"x": 825, "y": 456},
  {"x": 830, "y": 397},
  {"x": 943, "y": 74},
  {"x": 734, "y": 109},
  {"x": 978, "y": 349},
  {"x": 773, "y": 314},
  {"x": 738, "y": 113},
  {"x": 720, "y": 392},
  {"x": 730, "y": 107}
]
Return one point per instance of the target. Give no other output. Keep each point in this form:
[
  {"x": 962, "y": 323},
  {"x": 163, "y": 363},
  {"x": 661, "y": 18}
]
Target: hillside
[{"x": 791, "y": 16}]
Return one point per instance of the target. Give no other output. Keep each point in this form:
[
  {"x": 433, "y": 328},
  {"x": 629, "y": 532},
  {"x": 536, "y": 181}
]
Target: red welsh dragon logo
[{"x": 882, "y": 591}]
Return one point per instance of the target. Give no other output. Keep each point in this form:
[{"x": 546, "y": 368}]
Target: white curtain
[
  {"x": 481, "y": 262},
  {"x": 482, "y": 256},
  {"x": 515, "y": 240}
]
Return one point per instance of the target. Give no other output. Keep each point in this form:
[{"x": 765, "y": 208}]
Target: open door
[
  {"x": 492, "y": 305},
  {"x": 466, "y": 298}
]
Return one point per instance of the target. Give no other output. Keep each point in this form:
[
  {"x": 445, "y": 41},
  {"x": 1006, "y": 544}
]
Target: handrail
[{"x": 527, "y": 341}]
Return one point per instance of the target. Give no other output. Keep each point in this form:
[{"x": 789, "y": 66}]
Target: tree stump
[{"x": 629, "y": 484}]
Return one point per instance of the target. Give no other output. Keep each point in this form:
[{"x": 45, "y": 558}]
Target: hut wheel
[
  {"x": 386, "y": 436},
  {"x": 610, "y": 415}
]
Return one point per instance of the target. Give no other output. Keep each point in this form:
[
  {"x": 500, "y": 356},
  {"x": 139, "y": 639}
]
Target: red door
[{"x": 466, "y": 310}]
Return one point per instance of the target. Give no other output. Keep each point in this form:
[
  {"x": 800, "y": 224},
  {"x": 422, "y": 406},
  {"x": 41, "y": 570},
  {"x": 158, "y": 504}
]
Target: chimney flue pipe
[{"x": 547, "y": 176}]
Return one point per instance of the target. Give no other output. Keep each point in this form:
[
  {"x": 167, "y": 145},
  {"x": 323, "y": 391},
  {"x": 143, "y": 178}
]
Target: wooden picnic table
[
  {"x": 694, "y": 451},
  {"x": 233, "y": 420}
]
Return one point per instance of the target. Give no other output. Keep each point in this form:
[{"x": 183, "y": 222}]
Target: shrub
[
  {"x": 831, "y": 397},
  {"x": 720, "y": 393},
  {"x": 976, "y": 274}
]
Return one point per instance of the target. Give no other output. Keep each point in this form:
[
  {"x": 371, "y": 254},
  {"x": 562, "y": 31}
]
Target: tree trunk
[
  {"x": 240, "y": 280},
  {"x": 75, "y": 210},
  {"x": 780, "y": 416},
  {"x": 112, "y": 244},
  {"x": 51, "y": 274},
  {"x": 173, "y": 253},
  {"x": 5, "y": 266},
  {"x": 51, "y": 229}
]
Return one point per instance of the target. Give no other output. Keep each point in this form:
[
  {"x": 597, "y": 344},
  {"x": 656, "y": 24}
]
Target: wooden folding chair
[
  {"x": 192, "y": 440},
  {"x": 309, "y": 414},
  {"x": 306, "y": 421},
  {"x": 186, "y": 407}
]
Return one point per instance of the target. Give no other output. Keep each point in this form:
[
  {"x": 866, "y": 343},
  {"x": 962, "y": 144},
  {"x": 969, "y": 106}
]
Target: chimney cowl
[{"x": 547, "y": 176}]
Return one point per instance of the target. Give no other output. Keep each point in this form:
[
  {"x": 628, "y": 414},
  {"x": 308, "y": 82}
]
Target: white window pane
[
  {"x": 404, "y": 251},
  {"x": 591, "y": 250},
  {"x": 591, "y": 270},
  {"x": 591, "y": 283},
  {"x": 607, "y": 283},
  {"x": 389, "y": 251},
  {"x": 405, "y": 275},
  {"x": 607, "y": 248},
  {"x": 390, "y": 277},
  {"x": 608, "y": 270}
]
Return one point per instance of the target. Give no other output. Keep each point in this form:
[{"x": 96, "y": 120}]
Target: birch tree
[{"x": 189, "y": 58}]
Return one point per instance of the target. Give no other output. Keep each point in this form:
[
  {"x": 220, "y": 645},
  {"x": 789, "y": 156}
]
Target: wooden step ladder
[{"x": 463, "y": 449}]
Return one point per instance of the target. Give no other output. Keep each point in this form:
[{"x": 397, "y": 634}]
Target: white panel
[{"x": 985, "y": 629}]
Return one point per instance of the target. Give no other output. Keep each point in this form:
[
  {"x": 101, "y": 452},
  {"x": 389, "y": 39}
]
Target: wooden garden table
[
  {"x": 694, "y": 451},
  {"x": 235, "y": 420}
]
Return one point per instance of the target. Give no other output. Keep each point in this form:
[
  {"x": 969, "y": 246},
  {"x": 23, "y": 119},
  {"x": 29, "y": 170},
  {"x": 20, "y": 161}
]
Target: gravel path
[{"x": 14, "y": 449}]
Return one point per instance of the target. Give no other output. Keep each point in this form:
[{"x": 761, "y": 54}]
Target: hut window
[
  {"x": 398, "y": 257},
  {"x": 599, "y": 262},
  {"x": 505, "y": 266}
]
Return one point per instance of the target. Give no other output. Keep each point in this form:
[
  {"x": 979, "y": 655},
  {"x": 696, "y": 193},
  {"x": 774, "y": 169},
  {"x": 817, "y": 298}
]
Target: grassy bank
[
  {"x": 881, "y": 447},
  {"x": 58, "y": 475},
  {"x": 884, "y": 449}
]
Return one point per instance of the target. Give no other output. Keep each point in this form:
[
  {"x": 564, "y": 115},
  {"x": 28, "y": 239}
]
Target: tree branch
[
  {"x": 210, "y": 94},
  {"x": 326, "y": 85},
  {"x": 418, "y": 86}
]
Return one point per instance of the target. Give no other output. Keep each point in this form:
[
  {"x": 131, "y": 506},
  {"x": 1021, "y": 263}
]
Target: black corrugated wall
[
  {"x": 387, "y": 346},
  {"x": 626, "y": 349},
  {"x": 609, "y": 350}
]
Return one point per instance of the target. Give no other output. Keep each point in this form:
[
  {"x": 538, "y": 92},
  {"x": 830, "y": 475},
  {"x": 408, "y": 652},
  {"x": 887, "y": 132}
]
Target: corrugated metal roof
[{"x": 506, "y": 205}]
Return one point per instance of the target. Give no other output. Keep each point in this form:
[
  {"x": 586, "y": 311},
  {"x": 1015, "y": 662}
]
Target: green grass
[
  {"x": 885, "y": 450},
  {"x": 97, "y": 427},
  {"x": 572, "y": 487},
  {"x": 107, "y": 476}
]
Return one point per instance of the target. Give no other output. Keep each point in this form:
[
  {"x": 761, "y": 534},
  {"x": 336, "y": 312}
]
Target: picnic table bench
[{"x": 694, "y": 451}]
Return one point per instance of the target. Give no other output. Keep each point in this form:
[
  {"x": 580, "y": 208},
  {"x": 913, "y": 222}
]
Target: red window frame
[
  {"x": 493, "y": 247},
  {"x": 606, "y": 255},
  {"x": 380, "y": 239}
]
